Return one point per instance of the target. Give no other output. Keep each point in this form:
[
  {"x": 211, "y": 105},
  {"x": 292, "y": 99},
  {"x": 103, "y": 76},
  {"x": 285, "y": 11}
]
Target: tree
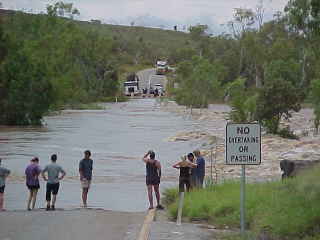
[
  {"x": 199, "y": 35},
  {"x": 199, "y": 82},
  {"x": 277, "y": 98}
]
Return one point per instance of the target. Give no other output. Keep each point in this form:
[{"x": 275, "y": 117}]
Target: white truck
[{"x": 161, "y": 67}]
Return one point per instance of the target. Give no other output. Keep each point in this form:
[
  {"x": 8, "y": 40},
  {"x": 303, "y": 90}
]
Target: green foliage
[
  {"x": 282, "y": 210},
  {"x": 287, "y": 133},
  {"x": 242, "y": 101},
  {"x": 199, "y": 82},
  {"x": 315, "y": 98},
  {"x": 53, "y": 62},
  {"x": 278, "y": 97},
  {"x": 29, "y": 91}
]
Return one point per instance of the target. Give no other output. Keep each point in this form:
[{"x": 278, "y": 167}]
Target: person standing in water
[
  {"x": 185, "y": 167},
  {"x": 4, "y": 173},
  {"x": 85, "y": 171},
  {"x": 32, "y": 181},
  {"x": 153, "y": 176},
  {"x": 53, "y": 181}
]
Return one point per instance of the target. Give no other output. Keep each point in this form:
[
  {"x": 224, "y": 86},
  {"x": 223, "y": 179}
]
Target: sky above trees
[{"x": 212, "y": 12}]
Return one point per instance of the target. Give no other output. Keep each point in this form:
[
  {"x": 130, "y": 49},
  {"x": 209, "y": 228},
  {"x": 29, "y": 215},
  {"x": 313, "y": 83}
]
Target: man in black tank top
[
  {"x": 185, "y": 172},
  {"x": 153, "y": 176}
]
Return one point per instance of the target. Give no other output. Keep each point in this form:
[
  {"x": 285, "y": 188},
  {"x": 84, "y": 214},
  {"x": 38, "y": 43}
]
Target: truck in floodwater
[{"x": 131, "y": 86}]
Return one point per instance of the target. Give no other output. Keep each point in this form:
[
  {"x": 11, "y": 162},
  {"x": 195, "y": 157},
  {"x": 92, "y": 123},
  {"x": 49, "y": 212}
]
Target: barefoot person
[
  {"x": 185, "y": 167},
  {"x": 85, "y": 170},
  {"x": 53, "y": 171},
  {"x": 4, "y": 173},
  {"x": 153, "y": 169},
  {"x": 32, "y": 180}
]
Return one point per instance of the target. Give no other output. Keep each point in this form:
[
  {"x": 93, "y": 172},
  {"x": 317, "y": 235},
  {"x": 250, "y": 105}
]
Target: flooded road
[{"x": 117, "y": 137}]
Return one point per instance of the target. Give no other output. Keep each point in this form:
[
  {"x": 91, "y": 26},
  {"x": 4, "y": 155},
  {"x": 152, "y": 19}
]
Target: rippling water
[{"x": 117, "y": 137}]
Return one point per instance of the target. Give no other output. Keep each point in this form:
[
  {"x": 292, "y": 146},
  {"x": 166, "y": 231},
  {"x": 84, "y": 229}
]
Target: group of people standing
[
  {"x": 52, "y": 174},
  {"x": 192, "y": 172}
]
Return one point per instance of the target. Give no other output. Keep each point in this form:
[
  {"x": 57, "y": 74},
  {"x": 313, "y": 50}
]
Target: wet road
[{"x": 117, "y": 137}]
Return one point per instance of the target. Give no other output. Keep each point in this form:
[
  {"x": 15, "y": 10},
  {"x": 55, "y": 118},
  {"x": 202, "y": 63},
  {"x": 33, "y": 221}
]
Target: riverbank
[
  {"x": 275, "y": 210},
  {"x": 212, "y": 122}
]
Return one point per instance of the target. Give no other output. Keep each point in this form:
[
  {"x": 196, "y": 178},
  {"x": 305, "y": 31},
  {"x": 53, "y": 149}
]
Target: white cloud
[{"x": 220, "y": 11}]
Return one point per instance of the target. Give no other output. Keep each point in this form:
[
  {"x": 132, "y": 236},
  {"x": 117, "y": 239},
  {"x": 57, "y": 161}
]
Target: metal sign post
[
  {"x": 243, "y": 200},
  {"x": 243, "y": 147}
]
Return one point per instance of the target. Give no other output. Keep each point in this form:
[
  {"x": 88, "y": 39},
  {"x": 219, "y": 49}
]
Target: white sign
[{"x": 243, "y": 144}]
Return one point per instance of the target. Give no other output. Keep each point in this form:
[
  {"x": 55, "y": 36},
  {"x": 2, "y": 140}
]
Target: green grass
[{"x": 285, "y": 210}]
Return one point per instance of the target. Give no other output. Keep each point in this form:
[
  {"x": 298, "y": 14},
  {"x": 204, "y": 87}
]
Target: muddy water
[{"x": 117, "y": 137}]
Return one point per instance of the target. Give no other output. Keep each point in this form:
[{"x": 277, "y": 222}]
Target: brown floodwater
[{"x": 117, "y": 137}]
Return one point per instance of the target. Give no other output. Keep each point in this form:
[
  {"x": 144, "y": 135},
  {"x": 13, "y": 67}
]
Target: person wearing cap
[
  {"x": 201, "y": 168},
  {"x": 4, "y": 173},
  {"x": 85, "y": 171},
  {"x": 153, "y": 176},
  {"x": 55, "y": 173},
  {"x": 32, "y": 173},
  {"x": 185, "y": 167}
]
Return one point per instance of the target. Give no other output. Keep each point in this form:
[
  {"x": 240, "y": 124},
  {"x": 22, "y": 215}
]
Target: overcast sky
[{"x": 219, "y": 11}]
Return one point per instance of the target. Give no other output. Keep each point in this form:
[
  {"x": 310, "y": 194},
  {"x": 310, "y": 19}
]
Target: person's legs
[
  {"x": 85, "y": 196},
  {"x": 1, "y": 201},
  {"x": 188, "y": 185},
  {"x": 48, "y": 195},
  {"x": 34, "y": 197},
  {"x": 150, "y": 196},
  {"x": 157, "y": 192},
  {"x": 181, "y": 185},
  {"x": 30, "y": 198},
  {"x": 55, "y": 191}
]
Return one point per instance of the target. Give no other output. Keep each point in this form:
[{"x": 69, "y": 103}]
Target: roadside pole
[
  {"x": 243, "y": 147},
  {"x": 180, "y": 207},
  {"x": 243, "y": 200}
]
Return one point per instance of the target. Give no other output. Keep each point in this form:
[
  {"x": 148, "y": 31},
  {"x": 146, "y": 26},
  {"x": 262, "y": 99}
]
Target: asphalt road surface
[
  {"x": 80, "y": 224},
  {"x": 148, "y": 77}
]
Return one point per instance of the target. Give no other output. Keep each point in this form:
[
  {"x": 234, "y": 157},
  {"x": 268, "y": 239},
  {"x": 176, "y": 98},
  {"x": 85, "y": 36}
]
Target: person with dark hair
[
  {"x": 53, "y": 171},
  {"x": 32, "y": 181},
  {"x": 185, "y": 167},
  {"x": 85, "y": 171},
  {"x": 153, "y": 176},
  {"x": 4, "y": 173},
  {"x": 201, "y": 168}
]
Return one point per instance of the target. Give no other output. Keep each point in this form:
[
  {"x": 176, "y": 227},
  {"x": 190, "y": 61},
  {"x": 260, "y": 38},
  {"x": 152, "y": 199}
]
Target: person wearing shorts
[
  {"x": 53, "y": 171},
  {"x": 4, "y": 173},
  {"x": 185, "y": 167},
  {"x": 85, "y": 171},
  {"x": 153, "y": 176},
  {"x": 32, "y": 181}
]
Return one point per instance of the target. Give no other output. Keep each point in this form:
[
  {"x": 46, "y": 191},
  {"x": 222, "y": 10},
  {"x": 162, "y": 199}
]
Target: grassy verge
[{"x": 280, "y": 210}]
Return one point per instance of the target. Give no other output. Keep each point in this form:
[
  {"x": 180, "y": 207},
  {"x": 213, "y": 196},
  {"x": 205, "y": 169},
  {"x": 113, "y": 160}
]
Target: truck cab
[{"x": 161, "y": 67}]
